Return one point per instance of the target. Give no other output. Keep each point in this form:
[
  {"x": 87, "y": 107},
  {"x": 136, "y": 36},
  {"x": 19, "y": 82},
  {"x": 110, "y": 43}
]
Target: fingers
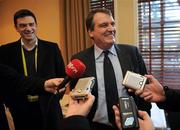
[
  {"x": 90, "y": 99},
  {"x": 148, "y": 98},
  {"x": 57, "y": 81},
  {"x": 80, "y": 107},
  {"x": 130, "y": 90},
  {"x": 139, "y": 91},
  {"x": 145, "y": 94},
  {"x": 150, "y": 77},
  {"x": 52, "y": 84},
  {"x": 62, "y": 90},
  {"x": 143, "y": 115},
  {"x": 116, "y": 110},
  {"x": 117, "y": 116},
  {"x": 72, "y": 101}
]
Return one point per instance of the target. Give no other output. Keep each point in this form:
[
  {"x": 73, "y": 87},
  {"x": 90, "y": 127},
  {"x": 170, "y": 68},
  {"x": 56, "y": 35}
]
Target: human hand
[
  {"x": 145, "y": 122},
  {"x": 117, "y": 117},
  {"x": 52, "y": 84},
  {"x": 80, "y": 107},
  {"x": 152, "y": 92}
]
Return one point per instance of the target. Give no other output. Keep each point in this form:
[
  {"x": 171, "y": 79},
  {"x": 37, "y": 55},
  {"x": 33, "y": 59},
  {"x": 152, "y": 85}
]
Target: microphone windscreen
[{"x": 75, "y": 68}]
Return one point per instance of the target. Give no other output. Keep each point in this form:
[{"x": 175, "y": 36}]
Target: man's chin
[
  {"x": 29, "y": 38},
  {"x": 111, "y": 41}
]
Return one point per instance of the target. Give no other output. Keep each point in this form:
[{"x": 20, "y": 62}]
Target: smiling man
[
  {"x": 119, "y": 58},
  {"x": 31, "y": 56}
]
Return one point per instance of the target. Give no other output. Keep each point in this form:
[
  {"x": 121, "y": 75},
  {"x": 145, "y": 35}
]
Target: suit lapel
[
  {"x": 123, "y": 59},
  {"x": 18, "y": 54},
  {"x": 40, "y": 55},
  {"x": 90, "y": 59}
]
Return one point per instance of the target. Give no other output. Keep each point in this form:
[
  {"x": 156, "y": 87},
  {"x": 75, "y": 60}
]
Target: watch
[{"x": 165, "y": 88}]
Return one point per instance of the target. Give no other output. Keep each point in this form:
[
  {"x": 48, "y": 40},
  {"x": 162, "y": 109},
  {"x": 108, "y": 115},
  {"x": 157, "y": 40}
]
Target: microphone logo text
[{"x": 71, "y": 66}]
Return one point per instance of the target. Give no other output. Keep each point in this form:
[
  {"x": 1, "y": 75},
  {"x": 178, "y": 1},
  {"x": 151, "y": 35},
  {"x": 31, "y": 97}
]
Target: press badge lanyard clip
[{"x": 30, "y": 98}]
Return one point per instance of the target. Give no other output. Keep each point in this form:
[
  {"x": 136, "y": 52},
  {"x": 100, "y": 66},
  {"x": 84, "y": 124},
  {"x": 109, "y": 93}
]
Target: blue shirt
[{"x": 101, "y": 114}]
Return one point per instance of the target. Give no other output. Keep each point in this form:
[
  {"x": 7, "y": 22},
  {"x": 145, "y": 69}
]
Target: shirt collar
[
  {"x": 36, "y": 44},
  {"x": 98, "y": 51}
]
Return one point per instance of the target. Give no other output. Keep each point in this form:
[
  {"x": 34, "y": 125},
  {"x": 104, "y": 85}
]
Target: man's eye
[
  {"x": 103, "y": 25},
  {"x": 31, "y": 24},
  {"x": 22, "y": 25},
  {"x": 113, "y": 24}
]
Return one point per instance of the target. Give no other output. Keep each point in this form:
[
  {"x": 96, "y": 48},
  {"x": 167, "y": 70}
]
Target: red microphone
[{"x": 73, "y": 70}]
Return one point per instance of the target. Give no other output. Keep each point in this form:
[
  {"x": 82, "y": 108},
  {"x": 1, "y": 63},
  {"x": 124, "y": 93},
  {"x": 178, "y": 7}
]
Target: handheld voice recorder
[
  {"x": 82, "y": 88},
  {"x": 134, "y": 81},
  {"x": 128, "y": 113}
]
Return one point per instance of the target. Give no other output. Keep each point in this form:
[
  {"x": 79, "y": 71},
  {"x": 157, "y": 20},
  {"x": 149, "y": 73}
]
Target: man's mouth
[
  {"x": 28, "y": 33},
  {"x": 109, "y": 34}
]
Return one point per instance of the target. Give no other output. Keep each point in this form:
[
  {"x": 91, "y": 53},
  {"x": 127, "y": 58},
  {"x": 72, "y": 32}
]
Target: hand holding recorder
[
  {"x": 82, "y": 88},
  {"x": 153, "y": 91},
  {"x": 145, "y": 123},
  {"x": 80, "y": 107},
  {"x": 128, "y": 113},
  {"x": 134, "y": 81}
]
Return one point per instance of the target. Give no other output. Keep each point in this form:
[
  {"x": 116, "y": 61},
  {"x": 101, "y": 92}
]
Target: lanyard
[{"x": 24, "y": 60}]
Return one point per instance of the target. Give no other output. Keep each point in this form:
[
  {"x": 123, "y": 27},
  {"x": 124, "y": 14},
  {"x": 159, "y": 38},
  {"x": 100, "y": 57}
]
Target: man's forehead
[
  {"x": 26, "y": 20},
  {"x": 99, "y": 21},
  {"x": 25, "y": 23}
]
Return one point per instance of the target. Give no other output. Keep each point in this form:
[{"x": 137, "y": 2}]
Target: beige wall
[
  {"x": 46, "y": 11},
  {"x": 126, "y": 21},
  {"x": 49, "y": 16}
]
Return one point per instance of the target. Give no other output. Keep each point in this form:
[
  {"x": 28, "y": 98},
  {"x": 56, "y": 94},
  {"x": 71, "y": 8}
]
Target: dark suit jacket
[
  {"x": 129, "y": 58},
  {"x": 50, "y": 65},
  {"x": 75, "y": 123},
  {"x": 18, "y": 83},
  {"x": 172, "y": 102},
  {"x": 172, "y": 107},
  {"x": 10, "y": 82}
]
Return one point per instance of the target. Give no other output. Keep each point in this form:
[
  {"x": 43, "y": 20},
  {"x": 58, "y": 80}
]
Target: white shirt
[{"x": 36, "y": 44}]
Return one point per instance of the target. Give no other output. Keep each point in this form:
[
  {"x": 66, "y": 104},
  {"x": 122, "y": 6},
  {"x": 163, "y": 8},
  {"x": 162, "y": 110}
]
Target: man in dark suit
[
  {"x": 101, "y": 28},
  {"x": 12, "y": 82},
  {"x": 31, "y": 56}
]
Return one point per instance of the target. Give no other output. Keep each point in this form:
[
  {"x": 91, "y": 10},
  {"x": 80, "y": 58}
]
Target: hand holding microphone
[{"x": 73, "y": 70}]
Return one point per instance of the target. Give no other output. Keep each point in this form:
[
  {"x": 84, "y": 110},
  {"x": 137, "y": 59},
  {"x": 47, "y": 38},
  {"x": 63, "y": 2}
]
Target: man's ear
[
  {"x": 90, "y": 34},
  {"x": 16, "y": 28}
]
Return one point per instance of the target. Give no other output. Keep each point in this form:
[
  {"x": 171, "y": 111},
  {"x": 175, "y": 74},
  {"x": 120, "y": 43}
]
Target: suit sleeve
[
  {"x": 75, "y": 123},
  {"x": 11, "y": 82},
  {"x": 60, "y": 67},
  {"x": 140, "y": 62},
  {"x": 171, "y": 103}
]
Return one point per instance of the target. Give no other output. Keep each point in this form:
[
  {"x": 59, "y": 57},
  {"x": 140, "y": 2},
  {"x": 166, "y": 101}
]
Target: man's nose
[
  {"x": 111, "y": 28},
  {"x": 28, "y": 27}
]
